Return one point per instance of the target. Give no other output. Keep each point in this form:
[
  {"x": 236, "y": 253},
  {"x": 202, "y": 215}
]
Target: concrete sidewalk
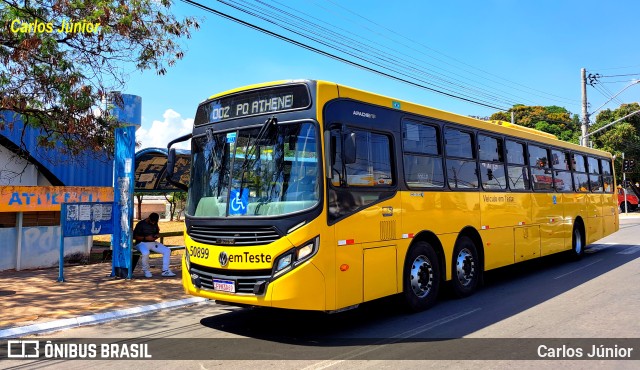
[{"x": 33, "y": 301}]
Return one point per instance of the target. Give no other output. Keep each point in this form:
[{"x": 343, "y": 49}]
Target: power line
[
  {"x": 572, "y": 101},
  {"x": 417, "y": 67},
  {"x": 383, "y": 61},
  {"x": 336, "y": 57},
  {"x": 398, "y": 62},
  {"x": 626, "y": 75}
]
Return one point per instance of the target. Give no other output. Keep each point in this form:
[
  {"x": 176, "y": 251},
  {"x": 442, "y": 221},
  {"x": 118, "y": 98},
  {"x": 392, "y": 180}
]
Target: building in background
[{"x": 32, "y": 187}]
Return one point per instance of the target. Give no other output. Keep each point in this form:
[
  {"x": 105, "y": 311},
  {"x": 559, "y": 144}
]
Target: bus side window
[
  {"x": 491, "y": 163},
  {"x": 422, "y": 155},
  {"x": 607, "y": 176},
  {"x": 517, "y": 171},
  {"x": 561, "y": 171},
  {"x": 595, "y": 177},
  {"x": 461, "y": 163},
  {"x": 540, "y": 171},
  {"x": 580, "y": 176}
]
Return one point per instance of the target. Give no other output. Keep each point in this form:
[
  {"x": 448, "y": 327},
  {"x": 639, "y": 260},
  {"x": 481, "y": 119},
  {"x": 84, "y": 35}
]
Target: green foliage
[
  {"x": 622, "y": 137},
  {"x": 56, "y": 80},
  {"x": 553, "y": 119}
]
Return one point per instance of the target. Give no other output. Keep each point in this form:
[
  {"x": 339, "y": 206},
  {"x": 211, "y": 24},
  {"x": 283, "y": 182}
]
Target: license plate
[{"x": 224, "y": 285}]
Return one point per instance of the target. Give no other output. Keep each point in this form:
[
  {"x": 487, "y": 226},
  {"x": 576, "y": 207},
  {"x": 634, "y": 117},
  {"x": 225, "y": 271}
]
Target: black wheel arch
[
  {"x": 431, "y": 238},
  {"x": 474, "y": 235}
]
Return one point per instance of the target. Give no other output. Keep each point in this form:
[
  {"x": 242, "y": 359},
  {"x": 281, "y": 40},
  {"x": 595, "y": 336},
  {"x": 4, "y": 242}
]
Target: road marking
[
  {"x": 404, "y": 335},
  {"x": 578, "y": 269},
  {"x": 630, "y": 250}
]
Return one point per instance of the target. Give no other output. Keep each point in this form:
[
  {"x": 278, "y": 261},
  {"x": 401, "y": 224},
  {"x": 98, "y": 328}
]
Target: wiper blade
[{"x": 251, "y": 150}]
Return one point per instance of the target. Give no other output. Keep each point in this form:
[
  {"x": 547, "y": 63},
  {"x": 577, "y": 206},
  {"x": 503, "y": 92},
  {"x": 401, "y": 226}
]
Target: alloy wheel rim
[
  {"x": 465, "y": 267},
  {"x": 421, "y": 276}
]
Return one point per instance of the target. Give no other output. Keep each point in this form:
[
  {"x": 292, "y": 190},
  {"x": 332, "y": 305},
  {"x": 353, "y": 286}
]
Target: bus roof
[{"x": 501, "y": 127}]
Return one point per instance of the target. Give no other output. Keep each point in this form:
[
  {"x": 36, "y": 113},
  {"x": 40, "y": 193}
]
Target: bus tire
[
  {"x": 421, "y": 277},
  {"x": 577, "y": 241},
  {"x": 466, "y": 268}
]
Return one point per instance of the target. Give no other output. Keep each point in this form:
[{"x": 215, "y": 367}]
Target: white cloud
[{"x": 162, "y": 132}]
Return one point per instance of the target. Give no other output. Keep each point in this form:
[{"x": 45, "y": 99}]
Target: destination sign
[{"x": 252, "y": 103}]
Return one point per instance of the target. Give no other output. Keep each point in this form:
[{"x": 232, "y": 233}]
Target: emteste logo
[{"x": 244, "y": 257}]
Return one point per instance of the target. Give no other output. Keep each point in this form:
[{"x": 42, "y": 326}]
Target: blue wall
[{"x": 90, "y": 169}]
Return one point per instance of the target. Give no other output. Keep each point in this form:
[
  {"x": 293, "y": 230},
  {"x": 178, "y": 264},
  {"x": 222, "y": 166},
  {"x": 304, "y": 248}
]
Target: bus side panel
[
  {"x": 498, "y": 247},
  {"x": 575, "y": 205},
  {"x": 299, "y": 289},
  {"x": 594, "y": 222},
  {"x": 449, "y": 213},
  {"x": 500, "y": 213},
  {"x": 527, "y": 242},
  {"x": 380, "y": 275},
  {"x": 505, "y": 209},
  {"x": 548, "y": 212},
  {"x": 610, "y": 212},
  {"x": 459, "y": 209},
  {"x": 348, "y": 281}
]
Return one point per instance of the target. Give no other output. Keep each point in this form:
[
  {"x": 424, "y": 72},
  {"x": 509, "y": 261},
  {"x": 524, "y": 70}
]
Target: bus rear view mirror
[
  {"x": 171, "y": 162},
  {"x": 349, "y": 148}
]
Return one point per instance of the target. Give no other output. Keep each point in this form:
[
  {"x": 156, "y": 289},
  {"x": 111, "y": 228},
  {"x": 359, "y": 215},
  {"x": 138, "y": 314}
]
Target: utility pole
[
  {"x": 585, "y": 115},
  {"x": 624, "y": 186}
]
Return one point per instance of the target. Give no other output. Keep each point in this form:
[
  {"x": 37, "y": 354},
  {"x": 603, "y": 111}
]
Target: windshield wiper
[{"x": 251, "y": 150}]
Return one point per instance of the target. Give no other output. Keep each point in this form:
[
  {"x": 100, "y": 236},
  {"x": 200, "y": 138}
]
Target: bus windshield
[{"x": 235, "y": 175}]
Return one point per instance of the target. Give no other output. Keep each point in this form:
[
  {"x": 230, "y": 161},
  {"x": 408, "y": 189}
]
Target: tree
[
  {"x": 176, "y": 204},
  {"x": 552, "y": 119},
  {"x": 56, "y": 81},
  {"x": 623, "y": 137}
]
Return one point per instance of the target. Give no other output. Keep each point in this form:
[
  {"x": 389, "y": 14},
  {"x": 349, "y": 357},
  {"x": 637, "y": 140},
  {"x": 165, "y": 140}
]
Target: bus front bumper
[{"x": 302, "y": 288}]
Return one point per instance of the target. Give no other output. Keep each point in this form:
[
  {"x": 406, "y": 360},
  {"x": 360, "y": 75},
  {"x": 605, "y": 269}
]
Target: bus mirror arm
[{"x": 171, "y": 162}]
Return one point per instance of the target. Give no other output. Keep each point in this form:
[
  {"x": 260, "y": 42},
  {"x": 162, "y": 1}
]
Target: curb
[{"x": 95, "y": 318}]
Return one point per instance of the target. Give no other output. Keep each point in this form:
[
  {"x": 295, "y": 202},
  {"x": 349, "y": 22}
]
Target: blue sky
[{"x": 528, "y": 52}]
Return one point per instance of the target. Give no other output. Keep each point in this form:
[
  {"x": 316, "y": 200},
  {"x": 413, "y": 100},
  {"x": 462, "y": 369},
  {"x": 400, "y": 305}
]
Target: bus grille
[
  {"x": 245, "y": 236},
  {"x": 245, "y": 279}
]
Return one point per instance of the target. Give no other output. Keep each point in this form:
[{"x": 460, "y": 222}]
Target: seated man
[{"x": 145, "y": 234}]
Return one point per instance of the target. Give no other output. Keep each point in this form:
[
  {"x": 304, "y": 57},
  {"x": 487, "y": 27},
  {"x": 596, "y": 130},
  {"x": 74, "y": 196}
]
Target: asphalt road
[{"x": 525, "y": 306}]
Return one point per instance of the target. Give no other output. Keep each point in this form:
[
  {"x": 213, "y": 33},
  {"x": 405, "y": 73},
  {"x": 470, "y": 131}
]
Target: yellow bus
[{"x": 311, "y": 195}]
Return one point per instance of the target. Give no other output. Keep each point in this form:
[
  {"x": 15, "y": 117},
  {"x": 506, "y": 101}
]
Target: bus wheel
[
  {"x": 466, "y": 267},
  {"x": 577, "y": 242},
  {"x": 421, "y": 280}
]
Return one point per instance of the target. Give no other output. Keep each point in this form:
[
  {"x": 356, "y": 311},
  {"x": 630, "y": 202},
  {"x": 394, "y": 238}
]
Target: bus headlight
[
  {"x": 296, "y": 256},
  {"x": 283, "y": 263},
  {"x": 305, "y": 251}
]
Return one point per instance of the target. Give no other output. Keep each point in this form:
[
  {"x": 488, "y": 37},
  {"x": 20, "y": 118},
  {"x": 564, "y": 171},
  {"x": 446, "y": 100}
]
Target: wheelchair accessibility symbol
[{"x": 239, "y": 202}]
